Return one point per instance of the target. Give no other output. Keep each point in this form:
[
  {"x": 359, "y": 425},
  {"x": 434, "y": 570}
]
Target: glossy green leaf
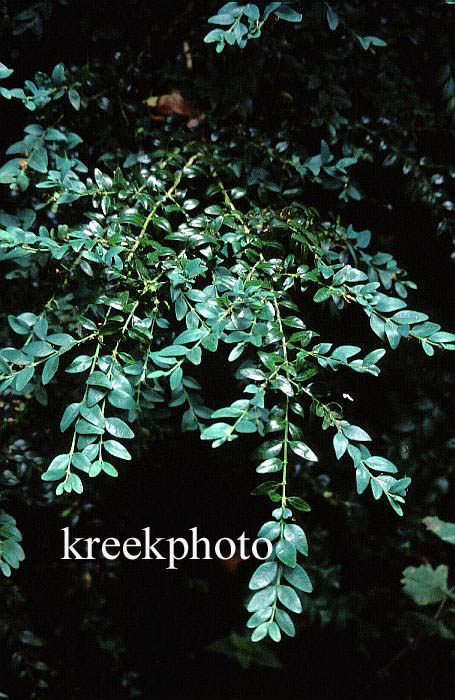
[
  {"x": 263, "y": 576},
  {"x": 300, "y": 504},
  {"x": 299, "y": 578},
  {"x": 23, "y": 377},
  {"x": 121, "y": 399},
  {"x": 289, "y": 598},
  {"x": 50, "y": 368},
  {"x": 380, "y": 464},
  {"x": 99, "y": 379},
  {"x": 262, "y": 599},
  {"x": 69, "y": 415},
  {"x": 302, "y": 450},
  {"x": 116, "y": 449},
  {"x": 296, "y": 536},
  {"x": 286, "y": 552},
  {"x": 118, "y": 428}
]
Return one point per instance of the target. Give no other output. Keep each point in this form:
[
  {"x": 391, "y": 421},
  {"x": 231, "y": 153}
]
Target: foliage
[
  {"x": 429, "y": 586},
  {"x": 11, "y": 552},
  {"x": 140, "y": 254},
  {"x": 152, "y": 302}
]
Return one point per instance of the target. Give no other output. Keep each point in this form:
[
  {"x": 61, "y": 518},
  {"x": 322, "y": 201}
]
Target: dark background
[{"x": 132, "y": 629}]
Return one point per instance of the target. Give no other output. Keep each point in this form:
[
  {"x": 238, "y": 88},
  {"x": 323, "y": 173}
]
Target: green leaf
[
  {"x": 425, "y": 585},
  {"x": 6, "y": 571},
  {"x": 83, "y": 427},
  {"x": 181, "y": 308},
  {"x": 260, "y": 632},
  {"x": 270, "y": 465},
  {"x": 285, "y": 623},
  {"x": 38, "y": 348},
  {"x": 172, "y": 351},
  {"x": 344, "y": 352},
  {"x": 373, "y": 357},
  {"x": 90, "y": 451},
  {"x": 74, "y": 99},
  {"x": 214, "y": 35},
  {"x": 118, "y": 428},
  {"x": 353, "y": 432},
  {"x": 39, "y": 159},
  {"x": 76, "y": 483},
  {"x": 270, "y": 530},
  {"x": 322, "y": 295},
  {"x": 340, "y": 444},
  {"x": 289, "y": 598},
  {"x": 444, "y": 530},
  {"x": 79, "y": 364},
  {"x": 81, "y": 462},
  {"x": 380, "y": 464},
  {"x": 332, "y": 18},
  {"x": 302, "y": 450},
  {"x": 283, "y": 385},
  {"x": 299, "y": 578},
  {"x": 189, "y": 336},
  {"x": 116, "y": 448},
  {"x": 93, "y": 415},
  {"x": 95, "y": 468},
  {"x": 5, "y": 72},
  {"x": 58, "y": 74},
  {"x": 121, "y": 399},
  {"x": 274, "y": 632},
  {"x": 298, "y": 503},
  {"x": 388, "y": 304},
  {"x": 49, "y": 369},
  {"x": 23, "y": 377},
  {"x": 392, "y": 334},
  {"x": 58, "y": 463},
  {"x": 377, "y": 325},
  {"x": 10, "y": 171},
  {"x": 40, "y": 328},
  {"x": 362, "y": 476},
  {"x": 69, "y": 415},
  {"x": 108, "y": 469},
  {"x": 221, "y": 18},
  {"x": 246, "y": 426},
  {"x": 54, "y": 475},
  {"x": 409, "y": 317},
  {"x": 262, "y": 599},
  {"x": 99, "y": 379},
  {"x": 286, "y": 552},
  {"x": 175, "y": 378},
  {"x": 264, "y": 574},
  {"x": 18, "y": 326},
  {"x": 215, "y": 431},
  {"x": 296, "y": 536},
  {"x": 265, "y": 488},
  {"x": 287, "y": 13},
  {"x": 12, "y": 553}
]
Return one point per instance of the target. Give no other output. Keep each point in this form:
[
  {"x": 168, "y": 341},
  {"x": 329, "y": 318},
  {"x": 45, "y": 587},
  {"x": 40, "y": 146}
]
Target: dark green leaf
[{"x": 50, "y": 368}]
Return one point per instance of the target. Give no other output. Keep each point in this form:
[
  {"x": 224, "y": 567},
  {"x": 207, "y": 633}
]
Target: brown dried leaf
[{"x": 175, "y": 103}]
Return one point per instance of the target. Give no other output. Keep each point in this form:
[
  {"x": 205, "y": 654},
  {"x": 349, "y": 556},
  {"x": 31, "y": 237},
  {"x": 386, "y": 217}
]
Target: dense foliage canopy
[{"x": 206, "y": 220}]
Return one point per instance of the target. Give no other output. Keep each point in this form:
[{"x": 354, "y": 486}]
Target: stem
[
  {"x": 286, "y": 419},
  {"x": 162, "y": 199}
]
